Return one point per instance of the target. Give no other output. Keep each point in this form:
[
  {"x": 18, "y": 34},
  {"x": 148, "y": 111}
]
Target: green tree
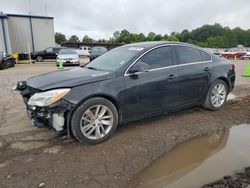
[
  {"x": 116, "y": 36},
  {"x": 125, "y": 36},
  {"x": 216, "y": 42},
  {"x": 60, "y": 38},
  {"x": 141, "y": 37},
  {"x": 151, "y": 36},
  {"x": 184, "y": 36},
  {"x": 173, "y": 38},
  {"x": 87, "y": 39},
  {"x": 74, "y": 38}
]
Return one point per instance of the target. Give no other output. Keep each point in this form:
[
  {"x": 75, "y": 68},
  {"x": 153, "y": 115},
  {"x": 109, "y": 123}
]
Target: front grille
[{"x": 68, "y": 59}]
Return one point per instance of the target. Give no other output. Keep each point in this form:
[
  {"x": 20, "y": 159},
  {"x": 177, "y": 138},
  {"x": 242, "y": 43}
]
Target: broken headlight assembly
[{"x": 48, "y": 97}]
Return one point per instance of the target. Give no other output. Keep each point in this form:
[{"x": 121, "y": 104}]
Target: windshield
[
  {"x": 67, "y": 51},
  {"x": 97, "y": 50},
  {"x": 114, "y": 59}
]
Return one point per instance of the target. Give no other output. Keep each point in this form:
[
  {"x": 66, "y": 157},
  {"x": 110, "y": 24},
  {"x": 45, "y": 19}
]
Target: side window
[
  {"x": 205, "y": 56},
  {"x": 55, "y": 49},
  {"x": 188, "y": 54},
  {"x": 158, "y": 58},
  {"x": 49, "y": 50}
]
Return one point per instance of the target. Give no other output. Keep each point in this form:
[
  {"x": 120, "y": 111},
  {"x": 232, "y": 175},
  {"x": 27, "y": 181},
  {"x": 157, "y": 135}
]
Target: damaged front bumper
[{"x": 55, "y": 116}]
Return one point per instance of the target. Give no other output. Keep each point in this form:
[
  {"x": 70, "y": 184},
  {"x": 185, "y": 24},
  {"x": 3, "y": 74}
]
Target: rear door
[
  {"x": 195, "y": 66},
  {"x": 155, "y": 90}
]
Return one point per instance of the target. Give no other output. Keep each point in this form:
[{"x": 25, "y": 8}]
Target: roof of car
[{"x": 154, "y": 44}]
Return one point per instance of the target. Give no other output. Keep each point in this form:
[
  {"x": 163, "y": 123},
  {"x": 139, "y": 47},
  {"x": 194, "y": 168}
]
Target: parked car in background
[
  {"x": 48, "y": 53},
  {"x": 84, "y": 51},
  {"x": 232, "y": 54},
  {"x": 68, "y": 56},
  {"x": 96, "y": 52},
  {"x": 128, "y": 83},
  {"x": 6, "y": 61},
  {"x": 246, "y": 56}
]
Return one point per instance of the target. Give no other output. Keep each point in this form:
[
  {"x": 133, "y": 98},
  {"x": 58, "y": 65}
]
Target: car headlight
[{"x": 47, "y": 98}]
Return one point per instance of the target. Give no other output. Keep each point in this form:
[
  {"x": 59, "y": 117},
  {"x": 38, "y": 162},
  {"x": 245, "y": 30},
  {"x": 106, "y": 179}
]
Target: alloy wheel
[
  {"x": 218, "y": 95},
  {"x": 96, "y": 122}
]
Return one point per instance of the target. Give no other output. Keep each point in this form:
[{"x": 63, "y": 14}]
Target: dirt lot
[{"x": 29, "y": 156}]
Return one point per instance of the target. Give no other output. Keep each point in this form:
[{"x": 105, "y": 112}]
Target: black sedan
[
  {"x": 96, "y": 52},
  {"x": 6, "y": 61},
  {"x": 128, "y": 83},
  {"x": 48, "y": 53}
]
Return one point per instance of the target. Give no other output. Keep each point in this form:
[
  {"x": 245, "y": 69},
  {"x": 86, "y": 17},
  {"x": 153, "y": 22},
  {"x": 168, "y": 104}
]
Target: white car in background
[
  {"x": 84, "y": 51},
  {"x": 246, "y": 56},
  {"x": 68, "y": 56}
]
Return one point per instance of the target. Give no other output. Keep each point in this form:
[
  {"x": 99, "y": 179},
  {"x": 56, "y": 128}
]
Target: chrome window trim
[{"x": 171, "y": 66}]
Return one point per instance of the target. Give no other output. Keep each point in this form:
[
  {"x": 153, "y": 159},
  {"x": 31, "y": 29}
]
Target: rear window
[
  {"x": 188, "y": 54},
  {"x": 67, "y": 51},
  {"x": 205, "y": 56},
  {"x": 56, "y": 49},
  {"x": 158, "y": 58},
  {"x": 99, "y": 50}
]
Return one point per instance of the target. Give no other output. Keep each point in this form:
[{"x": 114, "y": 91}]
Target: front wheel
[
  {"x": 94, "y": 121},
  {"x": 217, "y": 95}
]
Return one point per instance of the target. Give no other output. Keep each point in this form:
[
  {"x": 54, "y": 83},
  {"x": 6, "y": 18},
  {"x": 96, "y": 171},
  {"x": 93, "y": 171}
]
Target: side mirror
[{"x": 139, "y": 67}]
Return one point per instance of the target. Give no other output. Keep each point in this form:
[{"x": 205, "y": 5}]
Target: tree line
[{"x": 210, "y": 36}]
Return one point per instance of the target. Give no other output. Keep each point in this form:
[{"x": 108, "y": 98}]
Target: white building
[{"x": 19, "y": 33}]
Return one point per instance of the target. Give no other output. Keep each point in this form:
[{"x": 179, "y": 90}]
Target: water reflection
[{"x": 181, "y": 160}]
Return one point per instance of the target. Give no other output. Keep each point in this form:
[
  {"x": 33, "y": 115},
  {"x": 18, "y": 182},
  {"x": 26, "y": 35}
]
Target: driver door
[
  {"x": 154, "y": 89},
  {"x": 49, "y": 54}
]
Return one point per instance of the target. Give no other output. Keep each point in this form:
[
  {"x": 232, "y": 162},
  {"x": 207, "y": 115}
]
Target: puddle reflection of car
[
  {"x": 182, "y": 160},
  {"x": 96, "y": 52},
  {"x": 6, "y": 61},
  {"x": 128, "y": 83},
  {"x": 68, "y": 57}
]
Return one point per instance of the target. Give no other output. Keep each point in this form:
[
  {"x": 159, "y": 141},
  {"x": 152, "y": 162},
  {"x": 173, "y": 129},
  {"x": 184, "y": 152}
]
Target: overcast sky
[{"x": 100, "y": 18}]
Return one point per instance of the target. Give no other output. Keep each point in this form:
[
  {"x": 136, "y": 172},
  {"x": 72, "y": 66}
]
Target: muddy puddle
[{"x": 199, "y": 161}]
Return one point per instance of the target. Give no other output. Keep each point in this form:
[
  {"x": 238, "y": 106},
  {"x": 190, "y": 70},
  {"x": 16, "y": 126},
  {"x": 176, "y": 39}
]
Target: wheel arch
[
  {"x": 105, "y": 96},
  {"x": 226, "y": 81}
]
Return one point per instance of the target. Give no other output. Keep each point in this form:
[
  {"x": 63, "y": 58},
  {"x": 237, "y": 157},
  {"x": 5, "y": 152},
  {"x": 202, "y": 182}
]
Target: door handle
[
  {"x": 172, "y": 76},
  {"x": 206, "y": 69}
]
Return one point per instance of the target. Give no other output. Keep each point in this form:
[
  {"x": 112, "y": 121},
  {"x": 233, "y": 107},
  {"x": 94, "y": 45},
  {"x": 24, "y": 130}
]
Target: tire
[
  {"x": 211, "y": 102},
  {"x": 85, "y": 124},
  {"x": 39, "y": 58}
]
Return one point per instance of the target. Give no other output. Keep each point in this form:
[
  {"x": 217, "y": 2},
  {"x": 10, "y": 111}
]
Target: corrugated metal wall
[
  {"x": 43, "y": 33},
  {"x": 2, "y": 46},
  {"x": 20, "y": 34},
  {"x": 5, "y": 45},
  {"x": 27, "y": 31}
]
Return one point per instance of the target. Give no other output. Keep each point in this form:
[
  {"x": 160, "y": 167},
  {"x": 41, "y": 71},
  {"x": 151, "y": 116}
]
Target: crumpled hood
[{"x": 68, "y": 78}]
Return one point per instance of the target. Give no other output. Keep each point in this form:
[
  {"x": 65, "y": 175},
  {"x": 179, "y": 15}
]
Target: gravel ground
[
  {"x": 31, "y": 157},
  {"x": 240, "y": 179}
]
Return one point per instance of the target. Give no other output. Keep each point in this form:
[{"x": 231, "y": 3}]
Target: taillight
[{"x": 232, "y": 66}]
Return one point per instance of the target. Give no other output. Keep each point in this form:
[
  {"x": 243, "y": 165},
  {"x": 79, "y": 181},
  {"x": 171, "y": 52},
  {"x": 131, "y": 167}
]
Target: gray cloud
[{"x": 100, "y": 18}]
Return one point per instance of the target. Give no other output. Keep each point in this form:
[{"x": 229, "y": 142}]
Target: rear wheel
[
  {"x": 217, "y": 95},
  {"x": 94, "y": 121},
  {"x": 39, "y": 58}
]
